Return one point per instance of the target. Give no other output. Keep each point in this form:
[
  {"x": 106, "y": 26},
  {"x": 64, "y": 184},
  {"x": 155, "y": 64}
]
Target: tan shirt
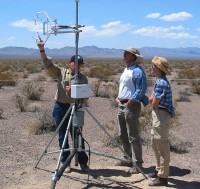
[{"x": 65, "y": 78}]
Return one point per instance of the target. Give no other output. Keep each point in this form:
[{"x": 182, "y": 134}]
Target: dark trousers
[{"x": 59, "y": 112}]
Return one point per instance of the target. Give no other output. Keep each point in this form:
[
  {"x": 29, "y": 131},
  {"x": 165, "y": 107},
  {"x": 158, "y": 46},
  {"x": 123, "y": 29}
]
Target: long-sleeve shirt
[
  {"x": 65, "y": 78},
  {"x": 162, "y": 90},
  {"x": 133, "y": 84}
]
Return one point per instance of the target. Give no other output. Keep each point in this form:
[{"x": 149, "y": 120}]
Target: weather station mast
[{"x": 78, "y": 91}]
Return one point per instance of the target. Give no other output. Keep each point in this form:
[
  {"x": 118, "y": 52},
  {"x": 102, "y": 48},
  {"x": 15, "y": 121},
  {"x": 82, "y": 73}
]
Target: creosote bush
[
  {"x": 44, "y": 123},
  {"x": 32, "y": 90},
  {"x": 20, "y": 102}
]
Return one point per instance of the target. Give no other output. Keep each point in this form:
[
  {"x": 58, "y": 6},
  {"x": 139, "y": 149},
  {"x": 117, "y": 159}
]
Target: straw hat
[
  {"x": 134, "y": 51},
  {"x": 162, "y": 64}
]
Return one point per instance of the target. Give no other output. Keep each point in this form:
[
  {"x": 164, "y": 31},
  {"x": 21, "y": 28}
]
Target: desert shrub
[
  {"x": 178, "y": 144},
  {"x": 109, "y": 90},
  {"x": 32, "y": 90},
  {"x": 95, "y": 87},
  {"x": 41, "y": 78},
  {"x": 145, "y": 117},
  {"x": 7, "y": 79},
  {"x": 187, "y": 74},
  {"x": 145, "y": 125},
  {"x": 196, "y": 86},
  {"x": 183, "y": 96},
  {"x": 1, "y": 112},
  {"x": 100, "y": 72},
  {"x": 20, "y": 102},
  {"x": 113, "y": 131},
  {"x": 44, "y": 123}
]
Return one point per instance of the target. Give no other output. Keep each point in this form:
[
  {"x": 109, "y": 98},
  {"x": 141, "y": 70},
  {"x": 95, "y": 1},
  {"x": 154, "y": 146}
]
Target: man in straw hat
[
  {"x": 132, "y": 89},
  {"x": 162, "y": 113}
]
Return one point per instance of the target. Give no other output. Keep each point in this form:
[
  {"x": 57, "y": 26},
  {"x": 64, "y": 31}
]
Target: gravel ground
[{"x": 20, "y": 150}]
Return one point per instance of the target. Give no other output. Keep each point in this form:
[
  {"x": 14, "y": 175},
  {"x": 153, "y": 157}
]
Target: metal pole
[{"x": 76, "y": 44}]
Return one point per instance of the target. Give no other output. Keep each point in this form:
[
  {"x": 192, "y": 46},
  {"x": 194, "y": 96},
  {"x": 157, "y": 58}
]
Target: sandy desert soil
[{"x": 20, "y": 150}]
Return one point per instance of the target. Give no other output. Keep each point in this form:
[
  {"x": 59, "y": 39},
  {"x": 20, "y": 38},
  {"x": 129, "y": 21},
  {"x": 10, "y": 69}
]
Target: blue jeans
[{"x": 59, "y": 112}]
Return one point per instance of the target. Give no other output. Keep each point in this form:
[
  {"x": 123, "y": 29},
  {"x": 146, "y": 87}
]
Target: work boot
[
  {"x": 84, "y": 167},
  {"x": 153, "y": 175},
  {"x": 68, "y": 169},
  {"x": 159, "y": 182},
  {"x": 124, "y": 163}
]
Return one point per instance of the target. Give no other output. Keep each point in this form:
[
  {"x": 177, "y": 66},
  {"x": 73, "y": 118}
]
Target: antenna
[{"x": 52, "y": 27}]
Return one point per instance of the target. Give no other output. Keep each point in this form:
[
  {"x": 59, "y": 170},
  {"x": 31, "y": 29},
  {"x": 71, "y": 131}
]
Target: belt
[
  {"x": 124, "y": 101},
  {"x": 162, "y": 108}
]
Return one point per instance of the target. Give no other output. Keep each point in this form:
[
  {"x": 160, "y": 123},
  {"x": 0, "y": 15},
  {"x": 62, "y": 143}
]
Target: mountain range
[{"x": 96, "y": 52}]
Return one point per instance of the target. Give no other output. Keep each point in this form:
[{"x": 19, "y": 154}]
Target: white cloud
[
  {"x": 161, "y": 32},
  {"x": 180, "y": 16},
  {"x": 11, "y": 38},
  {"x": 30, "y": 25},
  {"x": 153, "y": 15},
  {"x": 109, "y": 29},
  {"x": 198, "y": 29}
]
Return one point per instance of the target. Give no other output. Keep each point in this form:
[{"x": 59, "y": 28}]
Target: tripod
[{"x": 76, "y": 122}]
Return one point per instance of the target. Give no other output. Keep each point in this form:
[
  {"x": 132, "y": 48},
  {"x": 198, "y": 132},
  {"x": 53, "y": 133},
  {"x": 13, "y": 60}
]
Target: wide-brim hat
[
  {"x": 134, "y": 51},
  {"x": 162, "y": 64},
  {"x": 79, "y": 58}
]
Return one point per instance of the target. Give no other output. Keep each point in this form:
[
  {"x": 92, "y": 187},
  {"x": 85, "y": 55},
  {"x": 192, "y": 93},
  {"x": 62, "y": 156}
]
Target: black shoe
[
  {"x": 124, "y": 163},
  {"x": 159, "y": 182},
  {"x": 153, "y": 175},
  {"x": 84, "y": 167}
]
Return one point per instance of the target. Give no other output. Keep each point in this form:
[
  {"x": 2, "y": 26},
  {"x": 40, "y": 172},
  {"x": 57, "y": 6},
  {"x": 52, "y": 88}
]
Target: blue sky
[{"x": 108, "y": 23}]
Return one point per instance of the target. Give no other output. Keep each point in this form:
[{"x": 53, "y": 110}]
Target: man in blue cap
[{"x": 63, "y": 100}]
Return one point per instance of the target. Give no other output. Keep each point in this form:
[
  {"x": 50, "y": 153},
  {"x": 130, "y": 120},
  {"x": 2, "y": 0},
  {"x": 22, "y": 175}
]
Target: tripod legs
[
  {"x": 58, "y": 173},
  {"x": 59, "y": 126},
  {"x": 101, "y": 126}
]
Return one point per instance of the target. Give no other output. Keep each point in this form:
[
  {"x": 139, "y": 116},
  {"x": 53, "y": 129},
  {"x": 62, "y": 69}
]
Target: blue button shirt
[{"x": 162, "y": 90}]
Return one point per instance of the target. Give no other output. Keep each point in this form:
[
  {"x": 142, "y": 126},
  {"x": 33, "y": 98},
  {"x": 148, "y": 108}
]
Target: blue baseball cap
[{"x": 80, "y": 59}]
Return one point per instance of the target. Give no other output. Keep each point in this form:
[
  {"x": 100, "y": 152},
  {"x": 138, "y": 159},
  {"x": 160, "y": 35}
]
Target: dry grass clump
[{"x": 44, "y": 123}]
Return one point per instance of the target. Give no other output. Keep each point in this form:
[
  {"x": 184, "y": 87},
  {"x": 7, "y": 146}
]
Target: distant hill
[{"x": 96, "y": 52}]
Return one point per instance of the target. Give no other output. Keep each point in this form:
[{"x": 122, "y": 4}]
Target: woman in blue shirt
[{"x": 162, "y": 113}]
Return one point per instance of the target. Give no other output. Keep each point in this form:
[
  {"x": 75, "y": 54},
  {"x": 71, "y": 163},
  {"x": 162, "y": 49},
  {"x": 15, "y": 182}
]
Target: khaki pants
[{"x": 160, "y": 140}]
